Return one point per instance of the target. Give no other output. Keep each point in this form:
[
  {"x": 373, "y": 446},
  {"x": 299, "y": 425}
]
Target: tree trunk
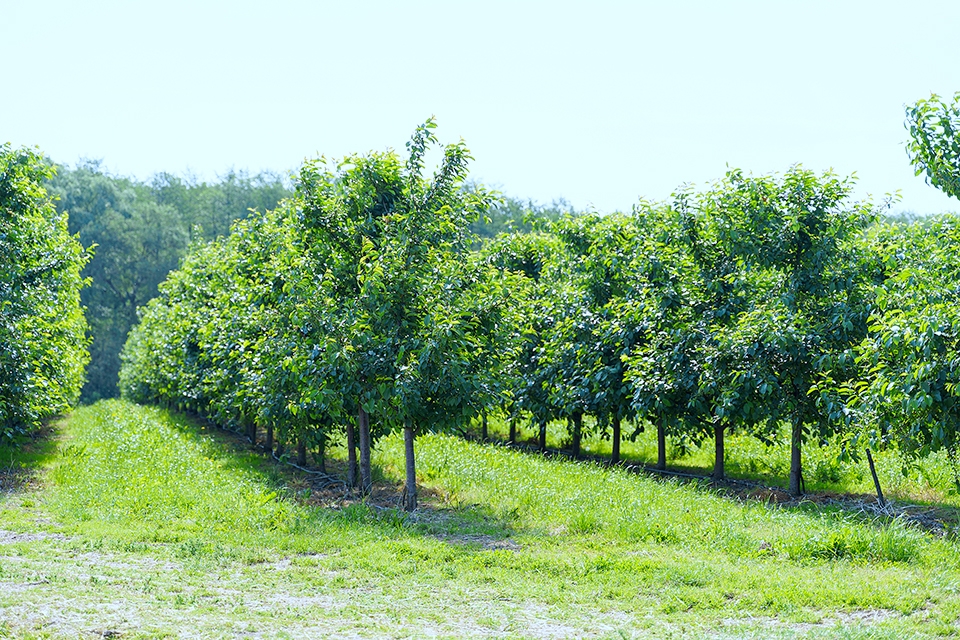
[
  {"x": 366, "y": 478},
  {"x": 301, "y": 453},
  {"x": 543, "y": 435},
  {"x": 321, "y": 456},
  {"x": 352, "y": 470},
  {"x": 577, "y": 432},
  {"x": 483, "y": 427},
  {"x": 718, "y": 471},
  {"x": 252, "y": 433},
  {"x": 410, "y": 488},
  {"x": 615, "y": 455},
  {"x": 795, "y": 470},
  {"x": 269, "y": 443},
  {"x": 281, "y": 448},
  {"x": 513, "y": 430},
  {"x": 662, "y": 444}
]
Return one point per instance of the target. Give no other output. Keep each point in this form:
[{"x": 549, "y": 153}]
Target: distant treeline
[{"x": 140, "y": 231}]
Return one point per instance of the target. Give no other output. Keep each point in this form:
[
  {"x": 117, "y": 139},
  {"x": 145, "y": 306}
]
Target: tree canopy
[
  {"x": 934, "y": 146},
  {"x": 43, "y": 347}
]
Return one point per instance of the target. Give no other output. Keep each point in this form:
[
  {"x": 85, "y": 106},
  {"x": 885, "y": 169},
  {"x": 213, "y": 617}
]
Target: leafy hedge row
[
  {"x": 753, "y": 303},
  {"x": 42, "y": 328},
  {"x": 359, "y": 296}
]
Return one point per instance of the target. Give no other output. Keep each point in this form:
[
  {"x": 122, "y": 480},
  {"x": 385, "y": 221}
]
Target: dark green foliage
[
  {"x": 588, "y": 347},
  {"x": 807, "y": 278},
  {"x": 43, "y": 348},
  {"x": 533, "y": 261},
  {"x": 141, "y": 232},
  {"x": 670, "y": 315},
  {"x": 213, "y": 207}
]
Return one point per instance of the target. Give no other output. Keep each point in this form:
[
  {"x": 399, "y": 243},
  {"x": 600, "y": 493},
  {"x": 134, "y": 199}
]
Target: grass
[
  {"x": 150, "y": 526},
  {"x": 929, "y": 481},
  {"x": 616, "y": 506}
]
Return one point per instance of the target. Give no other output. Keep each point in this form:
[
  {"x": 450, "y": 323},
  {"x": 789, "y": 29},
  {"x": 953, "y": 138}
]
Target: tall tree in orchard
[
  {"x": 343, "y": 208},
  {"x": 399, "y": 246},
  {"x": 798, "y": 240},
  {"x": 714, "y": 296},
  {"x": 533, "y": 259},
  {"x": 910, "y": 395},
  {"x": 569, "y": 356},
  {"x": 598, "y": 260},
  {"x": 660, "y": 310}
]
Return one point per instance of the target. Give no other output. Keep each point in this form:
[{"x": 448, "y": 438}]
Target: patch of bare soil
[
  {"x": 12, "y": 537},
  {"x": 484, "y": 541},
  {"x": 840, "y": 619}
]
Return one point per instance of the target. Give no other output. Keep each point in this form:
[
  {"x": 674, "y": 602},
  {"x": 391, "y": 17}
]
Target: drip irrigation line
[{"x": 329, "y": 479}]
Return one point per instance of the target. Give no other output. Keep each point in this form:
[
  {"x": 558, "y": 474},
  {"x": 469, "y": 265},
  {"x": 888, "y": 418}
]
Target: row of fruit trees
[
  {"x": 43, "y": 346},
  {"x": 363, "y": 306}
]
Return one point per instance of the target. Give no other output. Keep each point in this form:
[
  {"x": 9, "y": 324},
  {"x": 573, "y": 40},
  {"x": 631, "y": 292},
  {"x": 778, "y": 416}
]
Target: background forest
[{"x": 139, "y": 232}]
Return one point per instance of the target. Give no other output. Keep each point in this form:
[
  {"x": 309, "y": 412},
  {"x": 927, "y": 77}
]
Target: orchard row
[
  {"x": 43, "y": 347},
  {"x": 363, "y": 305}
]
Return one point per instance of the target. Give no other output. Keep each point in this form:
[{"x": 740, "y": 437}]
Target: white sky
[{"x": 599, "y": 103}]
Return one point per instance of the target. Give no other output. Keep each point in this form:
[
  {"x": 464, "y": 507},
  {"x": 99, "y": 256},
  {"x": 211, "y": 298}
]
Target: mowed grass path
[{"x": 148, "y": 526}]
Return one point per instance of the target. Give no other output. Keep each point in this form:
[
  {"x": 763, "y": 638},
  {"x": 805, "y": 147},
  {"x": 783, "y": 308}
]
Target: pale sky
[{"x": 600, "y": 103}]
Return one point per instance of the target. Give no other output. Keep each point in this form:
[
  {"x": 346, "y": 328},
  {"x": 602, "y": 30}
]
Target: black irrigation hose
[
  {"x": 332, "y": 481},
  {"x": 329, "y": 480},
  {"x": 884, "y": 510}
]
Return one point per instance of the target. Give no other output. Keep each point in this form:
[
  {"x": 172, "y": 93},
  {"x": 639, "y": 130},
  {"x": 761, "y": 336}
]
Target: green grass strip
[{"x": 590, "y": 500}]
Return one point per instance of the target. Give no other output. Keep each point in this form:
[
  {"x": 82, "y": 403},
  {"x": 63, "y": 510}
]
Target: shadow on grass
[
  {"x": 327, "y": 492},
  {"x": 937, "y": 519},
  {"x": 483, "y": 526},
  {"x": 21, "y": 462}
]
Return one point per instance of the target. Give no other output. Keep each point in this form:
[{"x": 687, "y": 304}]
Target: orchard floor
[{"x": 128, "y": 522}]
